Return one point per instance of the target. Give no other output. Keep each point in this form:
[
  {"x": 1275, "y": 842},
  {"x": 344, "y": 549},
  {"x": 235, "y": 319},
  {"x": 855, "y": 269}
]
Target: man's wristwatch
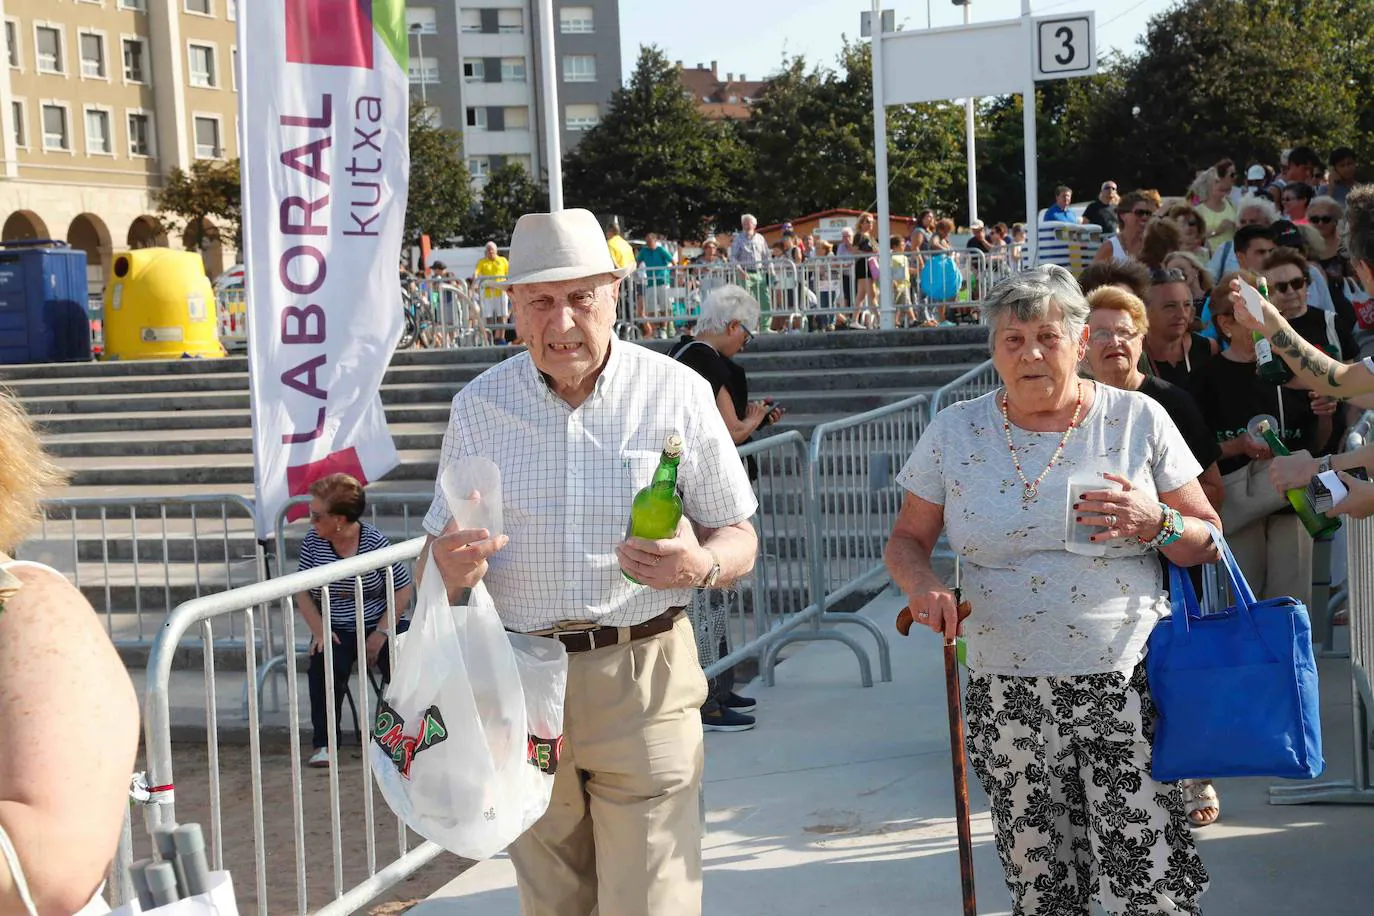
[{"x": 714, "y": 574}]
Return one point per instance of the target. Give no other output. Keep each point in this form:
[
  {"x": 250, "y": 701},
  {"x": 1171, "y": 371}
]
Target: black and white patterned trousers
[{"x": 1065, "y": 762}]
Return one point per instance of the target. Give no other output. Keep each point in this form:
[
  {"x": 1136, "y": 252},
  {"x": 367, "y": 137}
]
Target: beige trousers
[
  {"x": 1275, "y": 553},
  {"x": 622, "y": 836}
]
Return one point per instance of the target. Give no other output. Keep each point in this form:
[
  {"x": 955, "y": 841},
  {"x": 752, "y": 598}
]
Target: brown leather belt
[{"x": 595, "y": 637}]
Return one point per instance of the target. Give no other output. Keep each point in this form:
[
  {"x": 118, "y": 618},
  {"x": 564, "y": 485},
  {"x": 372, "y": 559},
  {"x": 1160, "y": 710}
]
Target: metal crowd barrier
[
  {"x": 246, "y": 602},
  {"x": 974, "y": 383},
  {"x": 138, "y": 557},
  {"x": 1359, "y": 789},
  {"x": 852, "y": 502},
  {"x": 231, "y": 309}
]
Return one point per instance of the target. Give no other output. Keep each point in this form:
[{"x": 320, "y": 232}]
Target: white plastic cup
[{"x": 1076, "y": 535}]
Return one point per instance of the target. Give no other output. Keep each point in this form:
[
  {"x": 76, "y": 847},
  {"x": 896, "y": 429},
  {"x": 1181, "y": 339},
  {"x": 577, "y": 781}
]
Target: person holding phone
[{"x": 729, "y": 319}]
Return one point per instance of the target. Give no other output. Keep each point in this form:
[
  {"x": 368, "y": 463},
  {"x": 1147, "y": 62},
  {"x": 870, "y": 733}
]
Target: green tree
[
  {"x": 655, "y": 160},
  {"x": 440, "y": 198},
  {"x": 509, "y": 193},
  {"x": 811, "y": 135},
  {"x": 209, "y": 190}
]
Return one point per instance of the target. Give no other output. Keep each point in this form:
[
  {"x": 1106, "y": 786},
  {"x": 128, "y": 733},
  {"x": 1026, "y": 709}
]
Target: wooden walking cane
[{"x": 956, "y": 749}]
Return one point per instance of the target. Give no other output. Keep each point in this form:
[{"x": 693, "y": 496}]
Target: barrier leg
[
  {"x": 884, "y": 650},
  {"x": 770, "y": 655}
]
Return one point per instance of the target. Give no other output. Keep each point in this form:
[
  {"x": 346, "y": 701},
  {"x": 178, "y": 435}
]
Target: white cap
[
  {"x": 1255, "y": 173},
  {"x": 976, "y": 224}
]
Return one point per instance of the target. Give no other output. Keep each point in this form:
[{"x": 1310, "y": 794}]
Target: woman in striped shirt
[{"x": 336, "y": 507}]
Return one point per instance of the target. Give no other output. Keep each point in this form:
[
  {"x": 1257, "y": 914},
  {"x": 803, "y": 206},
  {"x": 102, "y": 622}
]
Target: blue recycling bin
[{"x": 44, "y": 314}]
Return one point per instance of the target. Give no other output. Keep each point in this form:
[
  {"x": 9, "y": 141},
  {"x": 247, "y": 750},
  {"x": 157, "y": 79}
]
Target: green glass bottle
[
  {"x": 657, "y": 509},
  {"x": 1270, "y": 367},
  {"x": 1315, "y": 522}
]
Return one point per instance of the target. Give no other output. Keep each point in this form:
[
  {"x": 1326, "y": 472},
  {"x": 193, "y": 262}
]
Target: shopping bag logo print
[
  {"x": 389, "y": 732},
  {"x": 543, "y": 753}
]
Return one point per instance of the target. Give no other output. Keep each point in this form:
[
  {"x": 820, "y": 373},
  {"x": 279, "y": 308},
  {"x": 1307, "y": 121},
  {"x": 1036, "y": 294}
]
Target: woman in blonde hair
[
  {"x": 1212, "y": 188},
  {"x": 63, "y": 790}
]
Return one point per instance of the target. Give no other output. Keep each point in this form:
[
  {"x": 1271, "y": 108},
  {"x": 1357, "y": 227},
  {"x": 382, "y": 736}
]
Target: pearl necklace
[{"x": 1031, "y": 488}]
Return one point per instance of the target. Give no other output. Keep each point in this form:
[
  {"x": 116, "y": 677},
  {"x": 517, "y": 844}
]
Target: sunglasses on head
[
  {"x": 1167, "y": 275},
  {"x": 1295, "y": 285}
]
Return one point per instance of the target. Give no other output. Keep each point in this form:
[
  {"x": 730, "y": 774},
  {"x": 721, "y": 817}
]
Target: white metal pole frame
[
  {"x": 969, "y": 142},
  {"x": 889, "y": 313},
  {"x": 1028, "y": 114},
  {"x": 552, "y": 142},
  {"x": 417, "y": 28}
]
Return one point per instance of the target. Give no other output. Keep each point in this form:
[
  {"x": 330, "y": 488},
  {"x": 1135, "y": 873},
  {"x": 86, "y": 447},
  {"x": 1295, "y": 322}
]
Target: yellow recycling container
[{"x": 160, "y": 305}]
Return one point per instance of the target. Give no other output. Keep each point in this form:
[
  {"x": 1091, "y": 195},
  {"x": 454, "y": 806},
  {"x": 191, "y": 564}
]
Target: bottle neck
[{"x": 666, "y": 472}]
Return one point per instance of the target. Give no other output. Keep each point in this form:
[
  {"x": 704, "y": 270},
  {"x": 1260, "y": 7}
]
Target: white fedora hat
[{"x": 552, "y": 247}]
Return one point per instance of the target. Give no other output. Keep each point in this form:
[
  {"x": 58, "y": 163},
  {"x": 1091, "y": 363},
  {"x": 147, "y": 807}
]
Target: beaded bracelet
[{"x": 1170, "y": 528}]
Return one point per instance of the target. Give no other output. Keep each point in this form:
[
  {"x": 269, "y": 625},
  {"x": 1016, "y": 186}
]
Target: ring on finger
[{"x": 1111, "y": 521}]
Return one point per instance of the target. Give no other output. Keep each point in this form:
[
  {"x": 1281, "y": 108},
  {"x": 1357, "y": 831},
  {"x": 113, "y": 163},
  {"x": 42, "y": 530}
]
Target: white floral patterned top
[{"x": 1039, "y": 610}]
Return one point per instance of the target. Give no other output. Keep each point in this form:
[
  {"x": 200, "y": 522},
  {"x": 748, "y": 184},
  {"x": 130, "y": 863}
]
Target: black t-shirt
[
  {"x": 1230, "y": 394},
  {"x": 1199, "y": 354},
  {"x": 979, "y": 245},
  {"x": 1312, "y": 325},
  {"x": 1183, "y": 410},
  {"x": 719, "y": 371},
  {"x": 1102, "y": 214}
]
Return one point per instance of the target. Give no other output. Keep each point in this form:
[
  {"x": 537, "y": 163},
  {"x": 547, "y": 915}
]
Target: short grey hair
[
  {"x": 748, "y": 218},
  {"x": 1263, "y": 204},
  {"x": 725, "y": 304},
  {"x": 1326, "y": 200},
  {"x": 1028, "y": 295}
]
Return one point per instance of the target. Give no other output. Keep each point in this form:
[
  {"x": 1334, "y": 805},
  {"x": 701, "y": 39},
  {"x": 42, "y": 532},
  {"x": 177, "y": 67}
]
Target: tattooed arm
[{"x": 1313, "y": 368}]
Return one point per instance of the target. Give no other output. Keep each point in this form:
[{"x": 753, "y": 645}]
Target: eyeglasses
[
  {"x": 748, "y": 336},
  {"x": 1109, "y": 187},
  {"x": 1105, "y": 336},
  {"x": 1320, "y": 220},
  {"x": 1169, "y": 275},
  {"x": 1298, "y": 284},
  {"x": 1143, "y": 213},
  {"x": 316, "y": 517}
]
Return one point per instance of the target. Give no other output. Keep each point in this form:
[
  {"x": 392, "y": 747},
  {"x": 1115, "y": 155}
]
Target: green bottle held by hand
[
  {"x": 1315, "y": 522},
  {"x": 1269, "y": 367},
  {"x": 657, "y": 509}
]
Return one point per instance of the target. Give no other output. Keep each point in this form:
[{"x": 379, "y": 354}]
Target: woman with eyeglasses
[
  {"x": 1289, "y": 275},
  {"x": 1198, "y": 278},
  {"x": 1192, "y": 227},
  {"x": 1172, "y": 351},
  {"x": 1213, "y": 190},
  {"x": 1324, "y": 215},
  {"x": 1135, "y": 212},
  {"x": 337, "y": 503},
  {"x": 1297, "y": 197}
]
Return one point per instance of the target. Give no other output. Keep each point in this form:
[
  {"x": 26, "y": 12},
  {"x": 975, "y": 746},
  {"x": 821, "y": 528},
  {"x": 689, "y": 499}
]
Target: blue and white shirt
[{"x": 316, "y": 551}]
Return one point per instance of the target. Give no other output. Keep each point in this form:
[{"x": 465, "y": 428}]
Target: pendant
[{"x": 1029, "y": 492}]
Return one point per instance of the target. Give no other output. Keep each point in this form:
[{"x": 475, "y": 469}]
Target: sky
[{"x": 751, "y": 36}]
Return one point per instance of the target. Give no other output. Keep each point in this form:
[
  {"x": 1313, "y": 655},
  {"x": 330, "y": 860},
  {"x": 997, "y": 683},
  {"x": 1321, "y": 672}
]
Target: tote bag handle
[{"x": 1184, "y": 599}]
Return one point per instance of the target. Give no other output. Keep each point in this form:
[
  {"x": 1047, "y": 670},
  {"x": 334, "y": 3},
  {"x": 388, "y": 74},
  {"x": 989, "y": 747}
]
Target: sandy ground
[{"x": 193, "y": 806}]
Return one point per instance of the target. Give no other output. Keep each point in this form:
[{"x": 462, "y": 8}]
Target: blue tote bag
[{"x": 1235, "y": 691}]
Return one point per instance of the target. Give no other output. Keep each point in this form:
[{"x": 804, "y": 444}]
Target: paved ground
[{"x": 840, "y": 803}]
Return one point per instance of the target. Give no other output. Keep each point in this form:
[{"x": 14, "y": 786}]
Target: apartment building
[
  {"x": 99, "y": 101},
  {"x": 477, "y": 65}
]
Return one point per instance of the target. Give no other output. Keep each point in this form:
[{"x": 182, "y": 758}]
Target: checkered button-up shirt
[{"x": 568, "y": 477}]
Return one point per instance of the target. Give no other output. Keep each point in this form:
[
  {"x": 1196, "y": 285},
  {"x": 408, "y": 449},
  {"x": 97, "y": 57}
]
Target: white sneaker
[{"x": 320, "y": 758}]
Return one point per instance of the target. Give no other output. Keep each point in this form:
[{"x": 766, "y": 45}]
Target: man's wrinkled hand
[
  {"x": 676, "y": 562},
  {"x": 461, "y": 557}
]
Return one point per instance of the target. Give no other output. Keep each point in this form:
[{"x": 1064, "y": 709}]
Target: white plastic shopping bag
[
  {"x": 217, "y": 901},
  {"x": 467, "y": 737}
]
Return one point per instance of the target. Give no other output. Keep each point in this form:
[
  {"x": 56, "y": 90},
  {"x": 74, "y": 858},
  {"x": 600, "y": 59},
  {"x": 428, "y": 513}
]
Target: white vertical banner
[{"x": 324, "y": 114}]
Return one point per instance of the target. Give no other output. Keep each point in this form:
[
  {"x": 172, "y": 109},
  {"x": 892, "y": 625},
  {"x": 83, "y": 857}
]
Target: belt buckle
[{"x": 574, "y": 626}]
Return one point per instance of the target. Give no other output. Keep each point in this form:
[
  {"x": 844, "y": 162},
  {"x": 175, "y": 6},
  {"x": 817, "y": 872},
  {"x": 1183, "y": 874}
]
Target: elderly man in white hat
[{"x": 576, "y": 425}]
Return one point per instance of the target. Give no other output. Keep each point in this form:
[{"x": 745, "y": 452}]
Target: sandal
[{"x": 1201, "y": 802}]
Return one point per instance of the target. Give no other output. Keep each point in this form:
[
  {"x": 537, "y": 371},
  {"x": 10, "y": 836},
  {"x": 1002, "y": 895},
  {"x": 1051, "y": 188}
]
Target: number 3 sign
[{"x": 1064, "y": 46}]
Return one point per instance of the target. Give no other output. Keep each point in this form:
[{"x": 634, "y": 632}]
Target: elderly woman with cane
[{"x": 1057, "y": 493}]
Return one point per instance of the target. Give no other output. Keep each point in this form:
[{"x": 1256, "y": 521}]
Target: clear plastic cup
[
  {"x": 1252, "y": 429},
  {"x": 1077, "y": 536}
]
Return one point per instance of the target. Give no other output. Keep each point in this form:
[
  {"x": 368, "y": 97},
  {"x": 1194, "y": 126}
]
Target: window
[
  {"x": 433, "y": 116},
  {"x": 470, "y": 20},
  {"x": 49, "y": 41},
  {"x": 55, "y": 128},
  {"x": 207, "y": 138},
  {"x": 98, "y": 140},
  {"x": 474, "y": 70},
  {"x": 200, "y": 7},
  {"x": 202, "y": 66},
  {"x": 510, "y": 21},
  {"x": 92, "y": 48},
  {"x": 234, "y": 67},
  {"x": 135, "y": 54},
  {"x": 581, "y": 117},
  {"x": 513, "y": 70},
  {"x": 576, "y": 20},
  {"x": 424, "y": 70},
  {"x": 231, "y": 10},
  {"x": 140, "y": 133},
  {"x": 421, "y": 20},
  {"x": 477, "y": 118},
  {"x": 579, "y": 68},
  {"x": 479, "y": 167},
  {"x": 12, "y": 43},
  {"x": 522, "y": 161},
  {"x": 139, "y": 5},
  {"x": 517, "y": 118},
  {"x": 21, "y": 133}
]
